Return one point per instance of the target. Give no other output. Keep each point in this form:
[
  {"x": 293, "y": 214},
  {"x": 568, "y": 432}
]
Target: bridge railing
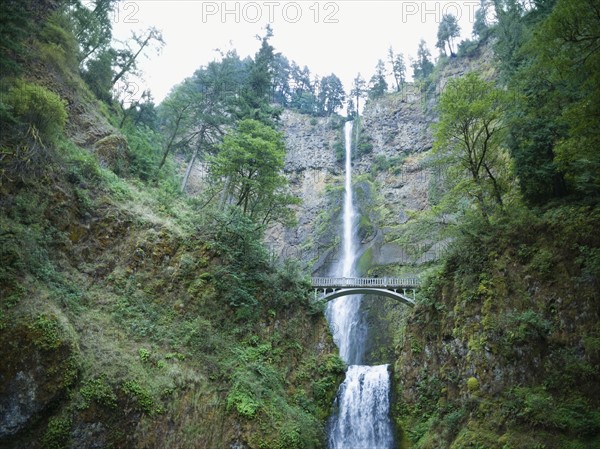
[{"x": 384, "y": 282}]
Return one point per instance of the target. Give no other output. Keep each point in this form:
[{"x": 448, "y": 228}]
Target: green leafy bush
[
  {"x": 46, "y": 331},
  {"x": 43, "y": 111},
  {"x": 57, "y": 433},
  {"x": 472, "y": 384},
  {"x": 526, "y": 327},
  {"x": 142, "y": 396},
  {"x": 59, "y": 43},
  {"x": 97, "y": 390},
  {"x": 538, "y": 407}
]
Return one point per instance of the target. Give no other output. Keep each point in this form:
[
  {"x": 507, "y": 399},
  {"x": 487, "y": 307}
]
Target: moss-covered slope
[
  {"x": 131, "y": 316},
  {"x": 502, "y": 351}
]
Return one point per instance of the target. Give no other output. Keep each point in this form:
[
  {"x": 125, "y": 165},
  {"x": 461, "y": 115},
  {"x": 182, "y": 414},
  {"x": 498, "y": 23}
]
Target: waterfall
[
  {"x": 362, "y": 419},
  {"x": 348, "y": 328}
]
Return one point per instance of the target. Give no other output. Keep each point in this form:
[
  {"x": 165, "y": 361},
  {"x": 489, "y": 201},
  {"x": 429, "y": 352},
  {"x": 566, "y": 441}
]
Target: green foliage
[
  {"x": 250, "y": 161},
  {"x": 470, "y": 136},
  {"x": 132, "y": 264},
  {"x": 398, "y": 67},
  {"x": 422, "y": 66},
  {"x": 46, "y": 332},
  {"x": 58, "y": 40},
  {"x": 382, "y": 163},
  {"x": 331, "y": 94},
  {"x": 58, "y": 433},
  {"x": 540, "y": 408},
  {"x": 144, "y": 354},
  {"x": 40, "y": 110},
  {"x": 16, "y": 22},
  {"x": 359, "y": 90},
  {"x": 142, "y": 396},
  {"x": 526, "y": 327},
  {"x": 339, "y": 149},
  {"x": 496, "y": 294},
  {"x": 377, "y": 84},
  {"x": 81, "y": 169},
  {"x": 92, "y": 26},
  {"x": 364, "y": 145},
  {"x": 448, "y": 29},
  {"x": 472, "y": 384},
  {"x": 481, "y": 26},
  {"x": 552, "y": 130},
  {"x": 98, "y": 74},
  {"x": 143, "y": 151},
  {"x": 476, "y": 439},
  {"x": 97, "y": 390},
  {"x": 574, "y": 55},
  {"x": 468, "y": 48}
]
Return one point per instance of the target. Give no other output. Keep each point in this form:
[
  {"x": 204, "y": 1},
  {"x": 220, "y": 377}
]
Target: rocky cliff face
[
  {"x": 311, "y": 167},
  {"x": 391, "y": 181},
  {"x": 394, "y": 177}
]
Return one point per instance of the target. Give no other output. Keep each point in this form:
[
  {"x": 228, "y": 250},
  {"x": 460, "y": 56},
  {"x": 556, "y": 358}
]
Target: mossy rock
[
  {"x": 112, "y": 152},
  {"x": 39, "y": 364}
]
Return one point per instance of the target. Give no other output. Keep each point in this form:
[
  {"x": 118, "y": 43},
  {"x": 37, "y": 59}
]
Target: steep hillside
[
  {"x": 130, "y": 315},
  {"x": 502, "y": 350}
]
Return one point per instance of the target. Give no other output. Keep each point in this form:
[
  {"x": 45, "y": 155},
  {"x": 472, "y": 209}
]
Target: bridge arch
[
  {"x": 401, "y": 297},
  {"x": 332, "y": 288}
]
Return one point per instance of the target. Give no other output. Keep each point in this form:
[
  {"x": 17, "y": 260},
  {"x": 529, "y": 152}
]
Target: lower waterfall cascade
[{"x": 362, "y": 417}]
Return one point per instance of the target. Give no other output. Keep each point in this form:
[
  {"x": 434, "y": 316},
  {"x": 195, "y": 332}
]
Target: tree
[
  {"x": 554, "y": 132},
  {"x": 141, "y": 111},
  {"x": 358, "y": 90},
  {"x": 377, "y": 84},
  {"x": 303, "y": 91},
  {"x": 256, "y": 93},
  {"x": 248, "y": 166},
  {"x": 511, "y": 33},
  {"x": 281, "y": 80},
  {"x": 92, "y": 26},
  {"x": 127, "y": 58},
  {"x": 350, "y": 108},
  {"x": 422, "y": 66},
  {"x": 98, "y": 74},
  {"x": 398, "y": 68},
  {"x": 470, "y": 135},
  {"x": 447, "y": 31},
  {"x": 331, "y": 94},
  {"x": 572, "y": 59},
  {"x": 481, "y": 26},
  {"x": 196, "y": 113}
]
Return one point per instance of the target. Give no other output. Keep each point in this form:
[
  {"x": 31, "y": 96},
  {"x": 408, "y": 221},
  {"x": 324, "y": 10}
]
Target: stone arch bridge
[{"x": 327, "y": 288}]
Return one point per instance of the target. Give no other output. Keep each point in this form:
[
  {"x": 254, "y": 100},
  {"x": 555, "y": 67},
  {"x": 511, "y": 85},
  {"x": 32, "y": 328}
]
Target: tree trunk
[
  {"x": 189, "y": 169},
  {"x": 497, "y": 192}
]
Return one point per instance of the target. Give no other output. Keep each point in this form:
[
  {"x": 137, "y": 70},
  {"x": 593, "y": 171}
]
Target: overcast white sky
[{"x": 342, "y": 37}]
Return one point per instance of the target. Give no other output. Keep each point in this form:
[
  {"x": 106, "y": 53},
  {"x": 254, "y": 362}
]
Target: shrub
[
  {"x": 472, "y": 384},
  {"x": 57, "y": 433},
  {"x": 525, "y": 327},
  {"x": 39, "y": 108},
  {"x": 59, "y": 43},
  {"x": 142, "y": 396},
  {"x": 97, "y": 390}
]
